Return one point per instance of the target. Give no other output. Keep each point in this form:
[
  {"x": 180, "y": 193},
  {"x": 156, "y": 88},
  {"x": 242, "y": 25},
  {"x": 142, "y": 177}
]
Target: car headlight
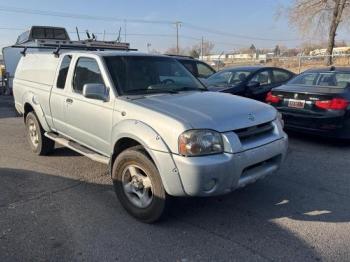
[
  {"x": 280, "y": 118},
  {"x": 200, "y": 142}
]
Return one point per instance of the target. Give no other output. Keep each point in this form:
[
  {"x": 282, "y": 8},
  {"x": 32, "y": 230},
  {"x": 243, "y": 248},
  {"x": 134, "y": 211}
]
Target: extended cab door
[
  {"x": 58, "y": 96},
  {"x": 89, "y": 120}
]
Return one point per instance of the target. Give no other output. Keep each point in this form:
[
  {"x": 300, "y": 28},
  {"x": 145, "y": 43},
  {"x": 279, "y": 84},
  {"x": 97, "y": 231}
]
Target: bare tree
[
  {"x": 197, "y": 49},
  {"x": 174, "y": 51},
  {"x": 207, "y": 47},
  {"x": 319, "y": 16}
]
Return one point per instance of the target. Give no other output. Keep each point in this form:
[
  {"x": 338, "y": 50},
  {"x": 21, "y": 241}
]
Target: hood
[
  {"x": 219, "y": 87},
  {"x": 211, "y": 110}
]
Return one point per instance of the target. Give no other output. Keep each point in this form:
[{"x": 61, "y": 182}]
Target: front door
[
  {"x": 264, "y": 78},
  {"x": 89, "y": 121}
]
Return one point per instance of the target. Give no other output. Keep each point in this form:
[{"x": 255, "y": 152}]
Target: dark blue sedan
[{"x": 249, "y": 81}]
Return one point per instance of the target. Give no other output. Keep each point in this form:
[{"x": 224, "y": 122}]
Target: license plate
[{"x": 296, "y": 103}]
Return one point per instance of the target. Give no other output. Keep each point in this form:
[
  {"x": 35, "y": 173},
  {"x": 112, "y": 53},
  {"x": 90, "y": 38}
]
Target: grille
[{"x": 254, "y": 131}]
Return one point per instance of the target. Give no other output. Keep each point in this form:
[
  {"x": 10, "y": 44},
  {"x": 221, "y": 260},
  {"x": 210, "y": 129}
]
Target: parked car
[
  {"x": 198, "y": 68},
  {"x": 151, "y": 121},
  {"x": 249, "y": 81},
  {"x": 316, "y": 102}
]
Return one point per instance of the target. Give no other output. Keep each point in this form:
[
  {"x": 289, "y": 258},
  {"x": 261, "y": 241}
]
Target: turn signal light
[
  {"x": 270, "y": 98},
  {"x": 334, "y": 104}
]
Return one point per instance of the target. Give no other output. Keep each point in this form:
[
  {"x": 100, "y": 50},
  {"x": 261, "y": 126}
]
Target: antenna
[
  {"x": 88, "y": 34},
  {"x": 118, "y": 39},
  {"x": 76, "y": 29}
]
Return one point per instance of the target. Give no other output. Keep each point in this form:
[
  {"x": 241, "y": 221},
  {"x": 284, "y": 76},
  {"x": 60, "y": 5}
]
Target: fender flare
[
  {"x": 32, "y": 99},
  {"x": 155, "y": 147},
  {"x": 140, "y": 132}
]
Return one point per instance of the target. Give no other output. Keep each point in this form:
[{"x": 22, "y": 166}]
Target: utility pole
[
  {"x": 202, "y": 44},
  {"x": 104, "y": 35},
  {"x": 177, "y": 24}
]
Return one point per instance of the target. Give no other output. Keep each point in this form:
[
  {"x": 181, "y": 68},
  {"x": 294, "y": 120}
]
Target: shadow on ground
[{"x": 45, "y": 217}]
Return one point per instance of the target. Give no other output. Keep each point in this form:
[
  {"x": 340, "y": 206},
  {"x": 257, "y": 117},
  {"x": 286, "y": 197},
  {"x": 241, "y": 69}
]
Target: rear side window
[
  {"x": 62, "y": 75},
  {"x": 190, "y": 66},
  {"x": 86, "y": 72},
  {"x": 262, "y": 77},
  {"x": 204, "y": 70},
  {"x": 281, "y": 76}
]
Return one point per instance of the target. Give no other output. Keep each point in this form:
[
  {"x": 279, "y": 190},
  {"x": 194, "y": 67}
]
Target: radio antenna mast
[
  {"x": 118, "y": 39},
  {"x": 76, "y": 28}
]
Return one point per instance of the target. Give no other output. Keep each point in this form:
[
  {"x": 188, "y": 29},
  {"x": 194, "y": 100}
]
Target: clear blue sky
[{"x": 254, "y": 18}]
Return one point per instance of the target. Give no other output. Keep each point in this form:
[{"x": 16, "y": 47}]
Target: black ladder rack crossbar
[{"x": 57, "y": 48}]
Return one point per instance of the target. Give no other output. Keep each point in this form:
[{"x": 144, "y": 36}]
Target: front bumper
[{"x": 223, "y": 173}]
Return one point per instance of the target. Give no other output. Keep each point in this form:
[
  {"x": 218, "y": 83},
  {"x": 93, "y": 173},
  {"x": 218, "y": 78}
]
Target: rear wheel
[
  {"x": 138, "y": 185},
  {"x": 39, "y": 143}
]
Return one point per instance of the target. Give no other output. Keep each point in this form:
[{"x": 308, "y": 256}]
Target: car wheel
[
  {"x": 39, "y": 143},
  {"x": 138, "y": 185}
]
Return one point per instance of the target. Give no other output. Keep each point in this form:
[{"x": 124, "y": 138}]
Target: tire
[
  {"x": 134, "y": 175},
  {"x": 39, "y": 143}
]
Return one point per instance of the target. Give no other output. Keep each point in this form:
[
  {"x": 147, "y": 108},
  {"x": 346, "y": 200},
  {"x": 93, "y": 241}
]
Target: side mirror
[
  {"x": 96, "y": 91},
  {"x": 253, "y": 85}
]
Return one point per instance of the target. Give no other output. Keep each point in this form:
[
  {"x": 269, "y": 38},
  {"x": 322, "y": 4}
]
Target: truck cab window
[
  {"x": 62, "y": 75},
  {"x": 86, "y": 72}
]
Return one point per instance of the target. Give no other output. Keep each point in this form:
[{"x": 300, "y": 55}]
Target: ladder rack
[{"x": 78, "y": 45}]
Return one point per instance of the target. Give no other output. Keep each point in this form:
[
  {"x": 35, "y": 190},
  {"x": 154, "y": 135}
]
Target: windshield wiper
[
  {"x": 150, "y": 91},
  {"x": 189, "y": 88}
]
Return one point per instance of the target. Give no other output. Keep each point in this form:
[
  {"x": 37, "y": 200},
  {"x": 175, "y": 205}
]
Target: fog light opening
[{"x": 210, "y": 185}]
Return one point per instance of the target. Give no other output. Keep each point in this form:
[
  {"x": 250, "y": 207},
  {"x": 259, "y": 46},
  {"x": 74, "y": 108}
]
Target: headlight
[
  {"x": 280, "y": 118},
  {"x": 200, "y": 142}
]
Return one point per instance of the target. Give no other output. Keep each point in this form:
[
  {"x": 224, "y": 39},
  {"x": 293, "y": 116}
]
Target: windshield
[
  {"x": 229, "y": 77},
  {"x": 147, "y": 75},
  {"x": 327, "y": 79}
]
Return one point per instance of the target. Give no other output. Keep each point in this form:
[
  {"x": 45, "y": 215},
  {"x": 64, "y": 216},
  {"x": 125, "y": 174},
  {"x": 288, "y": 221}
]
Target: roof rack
[{"x": 90, "y": 46}]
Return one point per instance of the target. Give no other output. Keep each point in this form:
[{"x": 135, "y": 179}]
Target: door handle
[{"x": 69, "y": 101}]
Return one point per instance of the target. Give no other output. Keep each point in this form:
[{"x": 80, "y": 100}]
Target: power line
[
  {"x": 102, "y": 18},
  {"x": 78, "y": 16},
  {"x": 217, "y": 32}
]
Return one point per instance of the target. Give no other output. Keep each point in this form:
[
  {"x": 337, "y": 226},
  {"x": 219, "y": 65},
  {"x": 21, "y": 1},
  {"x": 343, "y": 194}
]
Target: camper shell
[{"x": 41, "y": 38}]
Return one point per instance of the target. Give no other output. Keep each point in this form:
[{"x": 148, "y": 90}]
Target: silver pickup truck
[{"x": 156, "y": 126}]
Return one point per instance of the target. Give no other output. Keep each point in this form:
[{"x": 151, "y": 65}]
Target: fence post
[{"x": 299, "y": 64}]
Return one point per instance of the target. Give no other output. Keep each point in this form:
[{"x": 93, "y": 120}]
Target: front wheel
[
  {"x": 138, "y": 185},
  {"x": 39, "y": 143}
]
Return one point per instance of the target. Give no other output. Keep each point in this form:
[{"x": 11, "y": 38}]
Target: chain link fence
[{"x": 296, "y": 64}]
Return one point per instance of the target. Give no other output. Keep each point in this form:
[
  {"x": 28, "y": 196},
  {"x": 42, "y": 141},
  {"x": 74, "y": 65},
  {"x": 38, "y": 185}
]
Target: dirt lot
[{"x": 62, "y": 207}]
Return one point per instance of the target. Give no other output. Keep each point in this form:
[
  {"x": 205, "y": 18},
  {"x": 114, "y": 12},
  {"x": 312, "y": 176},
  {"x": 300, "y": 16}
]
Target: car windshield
[
  {"x": 228, "y": 77},
  {"x": 134, "y": 75},
  {"x": 319, "y": 79}
]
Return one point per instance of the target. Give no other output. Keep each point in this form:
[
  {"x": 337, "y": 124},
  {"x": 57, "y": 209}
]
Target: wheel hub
[
  {"x": 33, "y": 133},
  {"x": 137, "y": 186}
]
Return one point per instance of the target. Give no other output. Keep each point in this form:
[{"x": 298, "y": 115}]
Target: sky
[{"x": 229, "y": 24}]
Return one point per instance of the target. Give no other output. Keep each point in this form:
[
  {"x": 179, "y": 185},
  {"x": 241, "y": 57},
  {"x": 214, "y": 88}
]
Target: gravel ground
[{"x": 63, "y": 207}]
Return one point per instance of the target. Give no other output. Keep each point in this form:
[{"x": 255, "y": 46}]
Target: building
[{"x": 336, "y": 51}]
